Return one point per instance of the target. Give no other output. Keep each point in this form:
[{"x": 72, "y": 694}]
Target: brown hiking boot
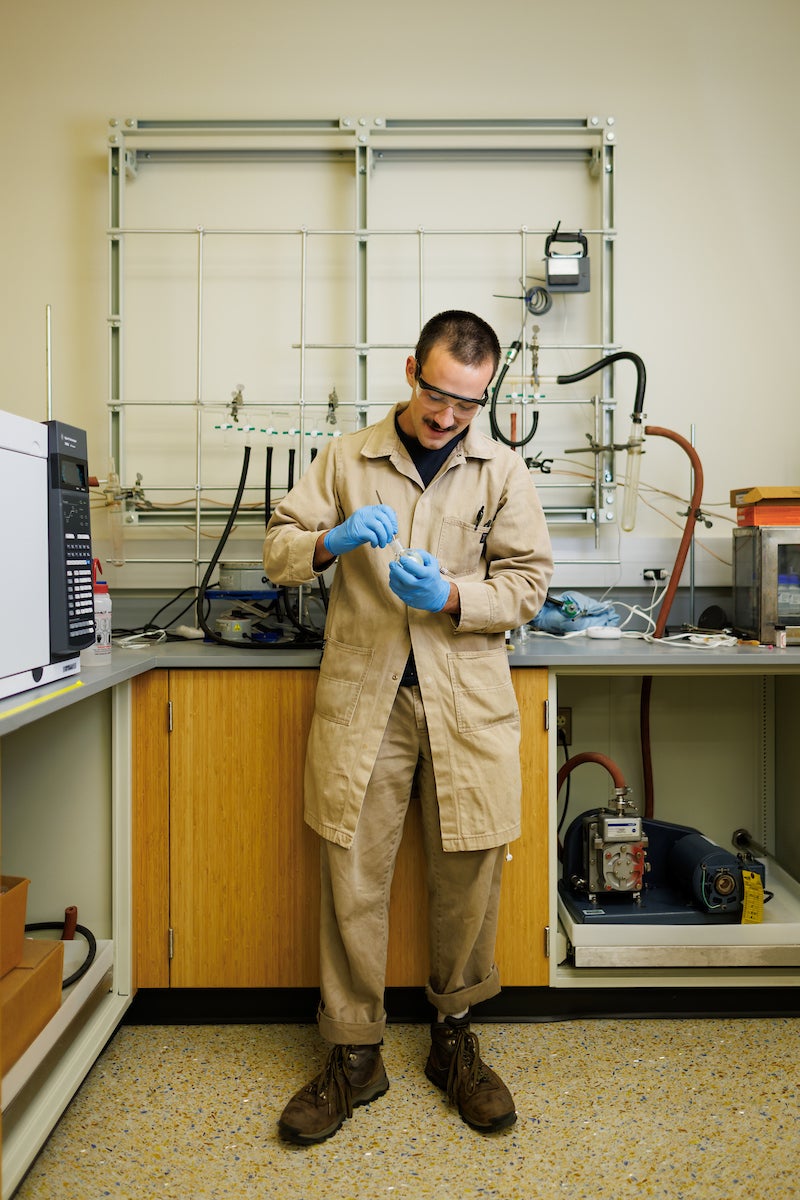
[
  {"x": 454, "y": 1065},
  {"x": 352, "y": 1075}
]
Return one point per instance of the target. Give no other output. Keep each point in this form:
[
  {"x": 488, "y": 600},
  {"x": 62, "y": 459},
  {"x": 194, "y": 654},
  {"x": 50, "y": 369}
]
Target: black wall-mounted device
[{"x": 70, "y": 541}]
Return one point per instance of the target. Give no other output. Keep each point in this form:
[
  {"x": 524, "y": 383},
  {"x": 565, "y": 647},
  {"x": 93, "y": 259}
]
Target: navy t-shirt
[{"x": 427, "y": 463}]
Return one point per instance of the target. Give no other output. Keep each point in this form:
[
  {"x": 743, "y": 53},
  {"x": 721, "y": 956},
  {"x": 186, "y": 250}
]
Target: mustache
[{"x": 439, "y": 428}]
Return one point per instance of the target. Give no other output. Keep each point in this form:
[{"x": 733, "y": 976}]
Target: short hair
[{"x": 469, "y": 338}]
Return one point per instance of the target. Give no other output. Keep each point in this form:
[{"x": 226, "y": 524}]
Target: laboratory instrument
[
  {"x": 621, "y": 868},
  {"x": 69, "y": 540},
  {"x": 46, "y": 546},
  {"x": 624, "y": 869},
  {"x": 566, "y": 272},
  {"x": 766, "y": 582},
  {"x": 253, "y": 596}
]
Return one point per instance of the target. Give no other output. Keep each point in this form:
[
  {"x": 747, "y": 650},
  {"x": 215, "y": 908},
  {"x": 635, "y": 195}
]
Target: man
[{"x": 414, "y": 684}]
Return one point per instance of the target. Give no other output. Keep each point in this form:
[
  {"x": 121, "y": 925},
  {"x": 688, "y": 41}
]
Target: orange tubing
[
  {"x": 666, "y": 605},
  {"x": 593, "y": 757},
  {"x": 688, "y": 529},
  {"x": 590, "y": 756}
]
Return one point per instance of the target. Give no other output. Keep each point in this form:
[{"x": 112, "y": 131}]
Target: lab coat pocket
[
  {"x": 459, "y": 549},
  {"x": 482, "y": 689},
  {"x": 341, "y": 679}
]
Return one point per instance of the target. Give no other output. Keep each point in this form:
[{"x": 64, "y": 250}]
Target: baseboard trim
[{"x": 297, "y": 1006}]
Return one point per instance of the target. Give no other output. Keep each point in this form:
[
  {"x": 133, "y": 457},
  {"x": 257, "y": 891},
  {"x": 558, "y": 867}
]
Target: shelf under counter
[
  {"x": 63, "y": 1053},
  {"x": 773, "y": 943}
]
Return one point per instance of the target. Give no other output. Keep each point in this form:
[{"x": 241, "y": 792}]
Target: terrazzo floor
[{"x": 607, "y": 1110}]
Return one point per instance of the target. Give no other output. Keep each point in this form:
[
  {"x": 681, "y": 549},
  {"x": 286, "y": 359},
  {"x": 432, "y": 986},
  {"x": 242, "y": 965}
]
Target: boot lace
[
  {"x": 333, "y": 1083},
  {"x": 466, "y": 1068}
]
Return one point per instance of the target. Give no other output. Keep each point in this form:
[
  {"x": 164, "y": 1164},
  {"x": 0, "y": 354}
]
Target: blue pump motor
[{"x": 710, "y": 875}]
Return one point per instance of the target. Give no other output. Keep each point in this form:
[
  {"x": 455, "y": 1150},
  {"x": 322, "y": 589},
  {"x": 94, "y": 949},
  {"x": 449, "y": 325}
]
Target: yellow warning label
[{"x": 753, "y": 905}]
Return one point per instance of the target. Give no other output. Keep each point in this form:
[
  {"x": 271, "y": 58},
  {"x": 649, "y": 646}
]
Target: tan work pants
[{"x": 463, "y": 892}]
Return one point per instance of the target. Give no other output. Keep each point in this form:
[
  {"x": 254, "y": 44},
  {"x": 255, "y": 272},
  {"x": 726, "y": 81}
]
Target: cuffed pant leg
[
  {"x": 464, "y": 909},
  {"x": 355, "y": 891},
  {"x": 464, "y": 900}
]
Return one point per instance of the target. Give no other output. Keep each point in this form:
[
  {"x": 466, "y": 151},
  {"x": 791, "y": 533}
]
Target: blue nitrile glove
[
  {"x": 419, "y": 585},
  {"x": 573, "y": 610},
  {"x": 375, "y": 524}
]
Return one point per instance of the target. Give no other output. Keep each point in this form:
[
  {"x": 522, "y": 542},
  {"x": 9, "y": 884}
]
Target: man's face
[{"x": 432, "y": 417}]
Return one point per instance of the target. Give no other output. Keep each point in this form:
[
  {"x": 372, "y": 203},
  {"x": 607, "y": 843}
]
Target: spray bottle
[{"x": 102, "y": 613}]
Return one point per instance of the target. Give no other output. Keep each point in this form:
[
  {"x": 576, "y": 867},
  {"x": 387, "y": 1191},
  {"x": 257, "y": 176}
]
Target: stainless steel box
[{"x": 766, "y": 582}]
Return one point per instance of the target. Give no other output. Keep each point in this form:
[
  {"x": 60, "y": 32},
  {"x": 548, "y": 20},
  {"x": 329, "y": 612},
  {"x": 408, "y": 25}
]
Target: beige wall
[{"x": 705, "y": 96}]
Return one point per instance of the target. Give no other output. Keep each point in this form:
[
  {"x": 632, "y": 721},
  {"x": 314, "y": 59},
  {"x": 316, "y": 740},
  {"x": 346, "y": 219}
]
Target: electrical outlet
[
  {"x": 564, "y": 724},
  {"x": 654, "y": 574}
]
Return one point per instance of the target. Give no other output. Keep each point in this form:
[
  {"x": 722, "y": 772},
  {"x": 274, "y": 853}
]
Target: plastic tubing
[
  {"x": 634, "y": 460},
  {"x": 576, "y": 761},
  {"x": 619, "y": 356},
  {"x": 590, "y": 756},
  {"x": 91, "y": 943},
  {"x": 691, "y": 520},
  {"x": 201, "y": 619},
  {"x": 666, "y": 604},
  {"x": 268, "y": 486},
  {"x": 497, "y": 432}
]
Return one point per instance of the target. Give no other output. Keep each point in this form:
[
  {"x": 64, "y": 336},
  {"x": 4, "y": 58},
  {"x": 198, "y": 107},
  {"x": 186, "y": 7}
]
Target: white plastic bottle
[{"x": 102, "y": 615}]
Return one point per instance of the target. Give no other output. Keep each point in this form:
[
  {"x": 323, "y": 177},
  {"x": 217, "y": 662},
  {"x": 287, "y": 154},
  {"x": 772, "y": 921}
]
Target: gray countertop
[
  {"x": 636, "y": 656},
  {"x": 578, "y": 656}
]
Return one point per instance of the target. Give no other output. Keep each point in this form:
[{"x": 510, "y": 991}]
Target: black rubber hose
[
  {"x": 619, "y": 356},
  {"x": 268, "y": 487},
  {"x": 201, "y": 620},
  {"x": 497, "y": 433},
  {"x": 90, "y": 942}
]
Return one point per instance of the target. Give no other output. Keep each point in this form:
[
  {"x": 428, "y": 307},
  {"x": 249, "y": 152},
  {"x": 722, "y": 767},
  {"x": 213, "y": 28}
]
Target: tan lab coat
[{"x": 482, "y": 519}]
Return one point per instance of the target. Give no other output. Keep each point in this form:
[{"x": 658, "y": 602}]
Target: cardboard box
[
  {"x": 29, "y": 996},
  {"x": 760, "y": 495},
  {"x": 13, "y": 904},
  {"x": 768, "y": 514}
]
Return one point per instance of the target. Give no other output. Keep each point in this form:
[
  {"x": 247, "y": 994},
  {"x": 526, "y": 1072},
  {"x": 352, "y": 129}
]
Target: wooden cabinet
[{"x": 225, "y": 870}]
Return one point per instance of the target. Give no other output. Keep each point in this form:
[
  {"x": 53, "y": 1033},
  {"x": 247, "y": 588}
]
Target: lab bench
[{"x": 159, "y": 837}]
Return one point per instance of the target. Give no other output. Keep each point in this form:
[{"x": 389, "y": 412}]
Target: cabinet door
[
  {"x": 244, "y": 873},
  {"x": 223, "y": 857},
  {"x": 241, "y": 857},
  {"x": 524, "y": 913}
]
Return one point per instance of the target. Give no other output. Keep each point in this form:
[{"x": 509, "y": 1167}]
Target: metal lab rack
[{"x": 367, "y": 144}]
